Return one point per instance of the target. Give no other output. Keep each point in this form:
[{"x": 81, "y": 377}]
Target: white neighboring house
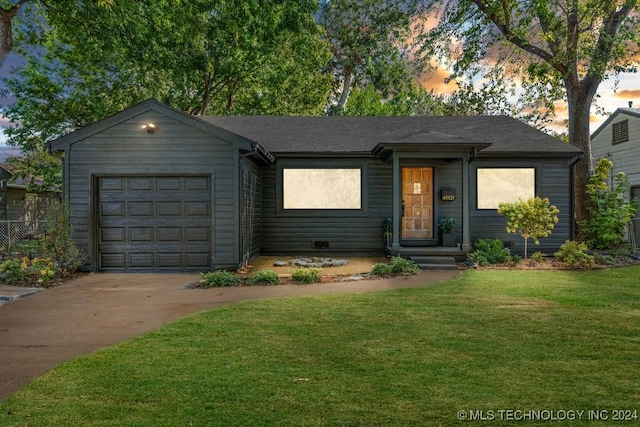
[{"x": 618, "y": 139}]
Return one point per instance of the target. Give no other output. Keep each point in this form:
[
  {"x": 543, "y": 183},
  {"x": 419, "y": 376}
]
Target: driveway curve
[{"x": 45, "y": 329}]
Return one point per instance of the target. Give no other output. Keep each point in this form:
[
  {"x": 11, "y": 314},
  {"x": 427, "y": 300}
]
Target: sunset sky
[{"x": 628, "y": 89}]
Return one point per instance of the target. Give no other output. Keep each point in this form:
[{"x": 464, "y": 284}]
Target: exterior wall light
[{"x": 150, "y": 127}]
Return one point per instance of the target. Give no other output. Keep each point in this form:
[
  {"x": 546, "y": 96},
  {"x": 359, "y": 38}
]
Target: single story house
[
  {"x": 618, "y": 139},
  {"x": 154, "y": 189}
]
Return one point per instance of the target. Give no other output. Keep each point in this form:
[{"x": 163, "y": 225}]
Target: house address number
[{"x": 448, "y": 194}]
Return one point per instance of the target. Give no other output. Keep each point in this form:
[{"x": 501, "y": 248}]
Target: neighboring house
[
  {"x": 154, "y": 189},
  {"x": 17, "y": 201},
  {"x": 618, "y": 139}
]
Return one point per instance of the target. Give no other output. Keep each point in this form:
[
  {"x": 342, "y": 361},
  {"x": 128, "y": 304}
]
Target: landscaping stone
[{"x": 310, "y": 262}]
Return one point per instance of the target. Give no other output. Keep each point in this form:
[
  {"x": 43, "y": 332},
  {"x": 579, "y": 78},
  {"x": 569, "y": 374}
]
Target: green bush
[
  {"x": 12, "y": 271},
  {"x": 306, "y": 275},
  {"x": 489, "y": 251},
  {"x": 29, "y": 271},
  {"x": 58, "y": 244},
  {"x": 401, "y": 265},
  {"x": 220, "y": 278},
  {"x": 537, "y": 256},
  {"x": 609, "y": 209},
  {"x": 264, "y": 277},
  {"x": 381, "y": 269},
  {"x": 398, "y": 265},
  {"x": 574, "y": 254}
]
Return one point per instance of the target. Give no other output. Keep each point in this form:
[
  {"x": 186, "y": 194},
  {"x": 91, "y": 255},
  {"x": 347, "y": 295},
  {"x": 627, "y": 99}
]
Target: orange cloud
[
  {"x": 628, "y": 94},
  {"x": 435, "y": 79}
]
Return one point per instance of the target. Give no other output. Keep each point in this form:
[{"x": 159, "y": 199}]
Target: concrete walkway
[{"x": 41, "y": 329}]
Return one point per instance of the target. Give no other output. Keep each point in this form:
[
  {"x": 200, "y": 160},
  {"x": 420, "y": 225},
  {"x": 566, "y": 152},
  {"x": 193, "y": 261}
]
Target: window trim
[{"x": 364, "y": 197}]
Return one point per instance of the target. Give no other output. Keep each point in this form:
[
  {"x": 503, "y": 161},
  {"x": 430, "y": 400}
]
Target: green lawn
[{"x": 501, "y": 345}]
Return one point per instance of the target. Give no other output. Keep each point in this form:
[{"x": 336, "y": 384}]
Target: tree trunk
[
  {"x": 579, "y": 98},
  {"x": 346, "y": 88},
  {"x": 6, "y": 30}
]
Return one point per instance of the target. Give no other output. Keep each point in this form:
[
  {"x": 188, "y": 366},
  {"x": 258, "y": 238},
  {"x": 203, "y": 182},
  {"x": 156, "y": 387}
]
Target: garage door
[{"x": 154, "y": 223}]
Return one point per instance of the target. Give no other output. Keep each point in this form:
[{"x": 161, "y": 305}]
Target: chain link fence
[{"x": 13, "y": 231}]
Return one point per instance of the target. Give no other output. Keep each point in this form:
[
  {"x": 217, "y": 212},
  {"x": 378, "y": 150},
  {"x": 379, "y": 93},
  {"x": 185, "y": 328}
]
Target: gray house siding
[
  {"x": 449, "y": 176},
  {"x": 174, "y": 150},
  {"x": 553, "y": 178},
  {"x": 625, "y": 156},
  {"x": 344, "y": 232}
]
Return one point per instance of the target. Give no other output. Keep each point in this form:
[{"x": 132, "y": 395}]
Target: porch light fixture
[{"x": 149, "y": 127}]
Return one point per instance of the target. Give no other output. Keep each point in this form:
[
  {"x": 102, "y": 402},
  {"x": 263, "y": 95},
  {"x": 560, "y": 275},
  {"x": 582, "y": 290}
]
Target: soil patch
[{"x": 354, "y": 266}]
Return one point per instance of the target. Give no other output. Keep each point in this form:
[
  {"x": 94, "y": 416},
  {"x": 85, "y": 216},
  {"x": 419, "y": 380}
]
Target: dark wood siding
[
  {"x": 251, "y": 214},
  {"x": 344, "y": 232},
  {"x": 553, "y": 180},
  {"x": 176, "y": 149},
  {"x": 449, "y": 175}
]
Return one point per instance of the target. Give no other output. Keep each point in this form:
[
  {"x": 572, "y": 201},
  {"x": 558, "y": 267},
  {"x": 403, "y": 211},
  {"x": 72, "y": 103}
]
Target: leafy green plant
[
  {"x": 264, "y": 277},
  {"x": 531, "y": 219},
  {"x": 306, "y": 275},
  {"x": 489, "y": 251},
  {"x": 388, "y": 230},
  {"x": 219, "y": 278},
  {"x": 401, "y": 265},
  {"x": 575, "y": 254},
  {"x": 29, "y": 271},
  {"x": 381, "y": 269},
  {"x": 537, "y": 256},
  {"x": 447, "y": 225},
  {"x": 13, "y": 271},
  {"x": 397, "y": 265},
  {"x": 609, "y": 211},
  {"x": 58, "y": 243}
]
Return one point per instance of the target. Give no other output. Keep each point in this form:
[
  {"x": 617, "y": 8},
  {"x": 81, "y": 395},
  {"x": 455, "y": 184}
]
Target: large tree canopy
[
  {"x": 223, "y": 57},
  {"x": 557, "y": 47},
  {"x": 369, "y": 42}
]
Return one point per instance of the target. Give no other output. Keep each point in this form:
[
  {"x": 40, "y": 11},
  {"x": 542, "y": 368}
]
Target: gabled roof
[
  {"x": 66, "y": 141},
  {"x": 300, "y": 135},
  {"x": 633, "y": 112},
  {"x": 493, "y": 134}
]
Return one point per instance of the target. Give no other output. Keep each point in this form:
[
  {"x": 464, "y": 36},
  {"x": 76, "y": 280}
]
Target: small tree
[
  {"x": 58, "y": 244},
  {"x": 609, "y": 210},
  {"x": 531, "y": 219}
]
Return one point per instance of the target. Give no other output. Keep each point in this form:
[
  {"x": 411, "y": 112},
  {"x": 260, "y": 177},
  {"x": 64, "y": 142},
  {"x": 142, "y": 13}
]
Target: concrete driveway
[{"x": 39, "y": 331}]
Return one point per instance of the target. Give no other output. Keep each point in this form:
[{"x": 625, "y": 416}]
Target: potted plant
[
  {"x": 447, "y": 227},
  {"x": 388, "y": 231}
]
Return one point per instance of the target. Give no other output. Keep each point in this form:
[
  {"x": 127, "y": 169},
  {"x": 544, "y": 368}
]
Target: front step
[{"x": 435, "y": 262}]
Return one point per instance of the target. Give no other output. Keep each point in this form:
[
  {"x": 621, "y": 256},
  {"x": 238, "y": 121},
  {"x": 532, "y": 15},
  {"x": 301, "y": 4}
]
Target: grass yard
[{"x": 491, "y": 348}]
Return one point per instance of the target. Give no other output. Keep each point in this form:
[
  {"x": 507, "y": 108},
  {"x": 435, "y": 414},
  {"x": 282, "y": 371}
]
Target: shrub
[
  {"x": 58, "y": 244},
  {"x": 306, "y": 275},
  {"x": 398, "y": 265},
  {"x": 537, "y": 256},
  {"x": 401, "y": 265},
  {"x": 489, "y": 251},
  {"x": 220, "y": 278},
  {"x": 381, "y": 269},
  {"x": 609, "y": 211},
  {"x": 12, "y": 271},
  {"x": 574, "y": 254},
  {"x": 29, "y": 271},
  {"x": 264, "y": 277},
  {"x": 531, "y": 219}
]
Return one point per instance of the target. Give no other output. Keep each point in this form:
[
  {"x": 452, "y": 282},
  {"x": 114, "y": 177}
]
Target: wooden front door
[{"x": 417, "y": 203}]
